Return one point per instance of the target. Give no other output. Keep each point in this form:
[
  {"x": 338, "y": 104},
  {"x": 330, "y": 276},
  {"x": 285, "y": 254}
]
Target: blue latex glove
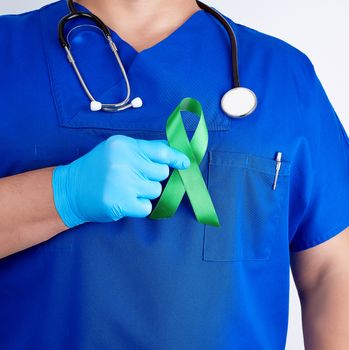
[{"x": 115, "y": 179}]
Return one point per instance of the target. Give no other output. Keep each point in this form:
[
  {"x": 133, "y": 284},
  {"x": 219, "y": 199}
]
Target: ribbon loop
[{"x": 189, "y": 180}]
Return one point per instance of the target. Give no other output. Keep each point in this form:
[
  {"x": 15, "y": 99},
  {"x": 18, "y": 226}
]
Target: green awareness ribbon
[{"x": 189, "y": 180}]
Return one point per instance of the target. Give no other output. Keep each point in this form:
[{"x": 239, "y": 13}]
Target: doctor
[{"x": 84, "y": 267}]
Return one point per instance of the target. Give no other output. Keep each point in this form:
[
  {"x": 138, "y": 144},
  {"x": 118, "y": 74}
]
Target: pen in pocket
[{"x": 277, "y": 169}]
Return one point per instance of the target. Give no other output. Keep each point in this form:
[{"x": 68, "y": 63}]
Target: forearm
[
  {"x": 27, "y": 211},
  {"x": 325, "y": 313}
]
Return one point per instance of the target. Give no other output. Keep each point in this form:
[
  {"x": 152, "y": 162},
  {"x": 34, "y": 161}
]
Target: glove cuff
[{"x": 61, "y": 197}]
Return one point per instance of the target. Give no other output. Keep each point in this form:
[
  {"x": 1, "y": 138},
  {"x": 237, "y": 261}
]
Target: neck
[{"x": 142, "y": 23}]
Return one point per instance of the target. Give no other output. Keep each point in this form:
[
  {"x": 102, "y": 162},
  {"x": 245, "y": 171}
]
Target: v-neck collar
[
  {"x": 154, "y": 73},
  {"x": 117, "y": 38}
]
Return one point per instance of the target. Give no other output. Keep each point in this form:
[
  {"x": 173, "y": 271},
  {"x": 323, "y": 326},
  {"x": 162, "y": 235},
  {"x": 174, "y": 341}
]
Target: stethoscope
[{"x": 238, "y": 102}]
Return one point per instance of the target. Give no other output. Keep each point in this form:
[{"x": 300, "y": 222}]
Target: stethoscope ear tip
[
  {"x": 137, "y": 102},
  {"x": 95, "y": 106}
]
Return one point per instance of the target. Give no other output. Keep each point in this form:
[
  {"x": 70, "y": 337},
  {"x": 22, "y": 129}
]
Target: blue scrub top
[{"x": 169, "y": 284}]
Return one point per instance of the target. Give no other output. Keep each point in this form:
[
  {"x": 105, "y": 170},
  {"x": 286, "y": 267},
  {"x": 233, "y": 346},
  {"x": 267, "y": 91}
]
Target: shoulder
[
  {"x": 21, "y": 37},
  {"x": 11, "y": 22},
  {"x": 285, "y": 72},
  {"x": 271, "y": 50},
  {"x": 24, "y": 23},
  {"x": 275, "y": 59}
]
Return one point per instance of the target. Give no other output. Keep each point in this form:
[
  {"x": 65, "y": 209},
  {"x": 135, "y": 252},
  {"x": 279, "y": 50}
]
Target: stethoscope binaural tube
[
  {"x": 238, "y": 102},
  {"x": 72, "y": 7},
  {"x": 94, "y": 104}
]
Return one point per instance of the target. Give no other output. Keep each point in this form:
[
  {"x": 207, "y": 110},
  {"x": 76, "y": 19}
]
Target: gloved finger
[
  {"x": 154, "y": 171},
  {"x": 149, "y": 189},
  {"x": 139, "y": 208},
  {"x": 158, "y": 151}
]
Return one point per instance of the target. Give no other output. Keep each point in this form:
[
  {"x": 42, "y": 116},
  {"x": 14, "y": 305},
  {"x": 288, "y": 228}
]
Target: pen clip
[{"x": 277, "y": 168}]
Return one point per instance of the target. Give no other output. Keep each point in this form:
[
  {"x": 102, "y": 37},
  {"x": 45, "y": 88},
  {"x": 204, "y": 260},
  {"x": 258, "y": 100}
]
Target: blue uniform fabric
[{"x": 169, "y": 284}]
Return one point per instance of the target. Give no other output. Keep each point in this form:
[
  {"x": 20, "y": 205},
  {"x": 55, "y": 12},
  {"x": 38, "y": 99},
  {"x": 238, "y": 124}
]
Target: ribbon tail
[{"x": 170, "y": 199}]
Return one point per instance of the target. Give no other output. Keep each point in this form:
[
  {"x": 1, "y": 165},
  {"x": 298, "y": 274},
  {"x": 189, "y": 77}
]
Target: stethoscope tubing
[
  {"x": 74, "y": 14},
  {"x": 221, "y": 19},
  {"x": 115, "y": 107},
  {"x": 233, "y": 41}
]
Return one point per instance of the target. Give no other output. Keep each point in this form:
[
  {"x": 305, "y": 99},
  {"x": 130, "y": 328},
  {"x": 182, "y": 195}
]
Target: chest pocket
[{"x": 241, "y": 187}]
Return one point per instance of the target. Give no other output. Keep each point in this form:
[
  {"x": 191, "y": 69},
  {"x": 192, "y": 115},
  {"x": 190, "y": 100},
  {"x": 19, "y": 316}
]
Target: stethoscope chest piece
[{"x": 239, "y": 102}]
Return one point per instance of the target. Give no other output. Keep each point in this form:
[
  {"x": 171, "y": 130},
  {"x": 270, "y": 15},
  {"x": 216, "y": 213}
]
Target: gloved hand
[{"x": 115, "y": 179}]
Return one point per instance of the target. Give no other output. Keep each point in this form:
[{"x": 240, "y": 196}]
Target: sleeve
[{"x": 319, "y": 192}]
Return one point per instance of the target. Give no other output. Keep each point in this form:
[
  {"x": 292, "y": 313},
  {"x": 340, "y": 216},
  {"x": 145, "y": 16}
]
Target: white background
[{"x": 317, "y": 27}]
